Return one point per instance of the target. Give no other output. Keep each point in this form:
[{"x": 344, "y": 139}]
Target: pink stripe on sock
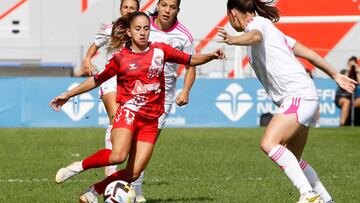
[
  {"x": 278, "y": 154},
  {"x": 303, "y": 164}
]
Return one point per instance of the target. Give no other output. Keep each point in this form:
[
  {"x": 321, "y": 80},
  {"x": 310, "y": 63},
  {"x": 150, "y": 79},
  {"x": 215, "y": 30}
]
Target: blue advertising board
[{"x": 213, "y": 103}]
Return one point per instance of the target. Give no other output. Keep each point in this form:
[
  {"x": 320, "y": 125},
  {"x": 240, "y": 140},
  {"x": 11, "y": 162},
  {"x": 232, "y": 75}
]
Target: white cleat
[
  {"x": 65, "y": 173},
  {"x": 310, "y": 198},
  {"x": 140, "y": 199},
  {"x": 88, "y": 197}
]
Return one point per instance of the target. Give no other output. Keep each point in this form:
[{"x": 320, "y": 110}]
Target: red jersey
[{"x": 140, "y": 77}]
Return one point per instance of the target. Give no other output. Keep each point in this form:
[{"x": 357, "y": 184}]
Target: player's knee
[
  {"x": 267, "y": 145},
  {"x": 117, "y": 158}
]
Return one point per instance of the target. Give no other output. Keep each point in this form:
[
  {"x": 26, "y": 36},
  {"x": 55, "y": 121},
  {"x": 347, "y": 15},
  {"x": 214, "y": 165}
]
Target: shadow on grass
[{"x": 192, "y": 199}]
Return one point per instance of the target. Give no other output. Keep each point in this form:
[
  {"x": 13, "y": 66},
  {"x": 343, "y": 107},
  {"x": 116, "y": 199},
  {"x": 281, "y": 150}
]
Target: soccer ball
[{"x": 119, "y": 192}]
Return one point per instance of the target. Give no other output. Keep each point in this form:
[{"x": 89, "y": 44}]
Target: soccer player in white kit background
[
  {"x": 166, "y": 28},
  {"x": 272, "y": 55}
]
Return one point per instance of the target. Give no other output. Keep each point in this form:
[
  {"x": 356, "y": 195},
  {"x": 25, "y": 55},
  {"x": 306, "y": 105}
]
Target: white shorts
[
  {"x": 164, "y": 116},
  {"x": 108, "y": 86},
  {"x": 305, "y": 110}
]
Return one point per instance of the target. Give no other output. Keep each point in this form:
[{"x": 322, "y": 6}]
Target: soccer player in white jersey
[
  {"x": 108, "y": 88},
  {"x": 273, "y": 58},
  {"x": 166, "y": 28}
]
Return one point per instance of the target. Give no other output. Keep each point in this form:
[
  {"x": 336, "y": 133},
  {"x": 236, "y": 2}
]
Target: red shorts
[{"x": 145, "y": 130}]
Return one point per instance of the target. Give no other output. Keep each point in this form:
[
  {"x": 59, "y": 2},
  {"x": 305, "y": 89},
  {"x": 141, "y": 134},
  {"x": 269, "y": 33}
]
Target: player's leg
[
  {"x": 138, "y": 159},
  {"x": 140, "y": 154},
  {"x": 296, "y": 145},
  {"x": 282, "y": 128},
  {"x": 108, "y": 96},
  {"x": 121, "y": 140},
  {"x": 137, "y": 184}
]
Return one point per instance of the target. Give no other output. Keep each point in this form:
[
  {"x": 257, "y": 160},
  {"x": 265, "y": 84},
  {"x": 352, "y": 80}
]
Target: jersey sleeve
[
  {"x": 110, "y": 70},
  {"x": 255, "y": 23},
  {"x": 175, "y": 56},
  {"x": 102, "y": 38},
  {"x": 290, "y": 41}
]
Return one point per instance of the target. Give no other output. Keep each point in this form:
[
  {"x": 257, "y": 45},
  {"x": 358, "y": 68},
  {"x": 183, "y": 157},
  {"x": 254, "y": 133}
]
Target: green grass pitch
[{"x": 188, "y": 165}]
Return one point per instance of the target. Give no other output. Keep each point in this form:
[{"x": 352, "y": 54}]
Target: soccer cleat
[
  {"x": 65, "y": 173},
  {"x": 310, "y": 197},
  {"x": 88, "y": 197},
  {"x": 140, "y": 199}
]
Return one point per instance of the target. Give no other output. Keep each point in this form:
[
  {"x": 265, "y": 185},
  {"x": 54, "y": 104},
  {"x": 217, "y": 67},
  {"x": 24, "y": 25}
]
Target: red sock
[
  {"x": 118, "y": 175},
  {"x": 99, "y": 159}
]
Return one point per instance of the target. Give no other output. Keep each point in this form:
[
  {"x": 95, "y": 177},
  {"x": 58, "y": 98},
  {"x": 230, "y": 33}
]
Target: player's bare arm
[
  {"x": 190, "y": 75},
  {"x": 85, "y": 86},
  {"x": 315, "y": 59},
  {"x": 87, "y": 66},
  {"x": 199, "y": 59},
  {"x": 246, "y": 39}
]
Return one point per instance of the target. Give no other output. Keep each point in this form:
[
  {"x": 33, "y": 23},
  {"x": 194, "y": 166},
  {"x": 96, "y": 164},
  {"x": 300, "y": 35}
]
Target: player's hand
[
  {"x": 57, "y": 103},
  {"x": 183, "y": 98},
  {"x": 225, "y": 37},
  {"x": 87, "y": 67},
  {"x": 345, "y": 82},
  {"x": 218, "y": 54}
]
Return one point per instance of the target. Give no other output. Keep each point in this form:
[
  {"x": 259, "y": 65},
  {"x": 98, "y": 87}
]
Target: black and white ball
[{"x": 119, "y": 192}]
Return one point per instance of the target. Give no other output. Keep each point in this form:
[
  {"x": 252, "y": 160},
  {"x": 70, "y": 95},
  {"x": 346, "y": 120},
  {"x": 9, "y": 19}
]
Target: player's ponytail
[
  {"x": 262, "y": 8},
  {"x": 118, "y": 33}
]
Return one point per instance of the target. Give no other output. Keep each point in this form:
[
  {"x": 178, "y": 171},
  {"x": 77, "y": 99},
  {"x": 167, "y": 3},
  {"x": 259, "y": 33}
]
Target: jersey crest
[
  {"x": 157, "y": 64},
  {"x": 174, "y": 43}
]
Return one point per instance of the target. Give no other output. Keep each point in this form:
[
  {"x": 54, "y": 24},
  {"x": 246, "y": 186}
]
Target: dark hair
[
  {"x": 352, "y": 72},
  {"x": 118, "y": 32},
  {"x": 353, "y": 58},
  {"x": 137, "y": 3},
  {"x": 156, "y": 12},
  {"x": 261, "y": 7}
]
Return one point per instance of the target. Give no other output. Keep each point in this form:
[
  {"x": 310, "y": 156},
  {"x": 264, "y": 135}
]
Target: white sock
[
  {"x": 288, "y": 162},
  {"x": 108, "y": 144},
  {"x": 314, "y": 181},
  {"x": 137, "y": 184},
  {"x": 109, "y": 169}
]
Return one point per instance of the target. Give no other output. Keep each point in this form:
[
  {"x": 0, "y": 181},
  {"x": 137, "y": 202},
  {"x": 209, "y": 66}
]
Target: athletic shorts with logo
[
  {"x": 306, "y": 110},
  {"x": 145, "y": 130}
]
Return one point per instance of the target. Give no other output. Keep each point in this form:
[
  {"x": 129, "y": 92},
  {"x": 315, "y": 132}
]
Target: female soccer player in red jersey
[
  {"x": 272, "y": 55},
  {"x": 108, "y": 88},
  {"x": 140, "y": 77}
]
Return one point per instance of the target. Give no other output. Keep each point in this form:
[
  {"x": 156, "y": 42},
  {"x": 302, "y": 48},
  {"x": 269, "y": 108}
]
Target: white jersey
[
  {"x": 104, "y": 38},
  {"x": 275, "y": 64},
  {"x": 180, "y": 38}
]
